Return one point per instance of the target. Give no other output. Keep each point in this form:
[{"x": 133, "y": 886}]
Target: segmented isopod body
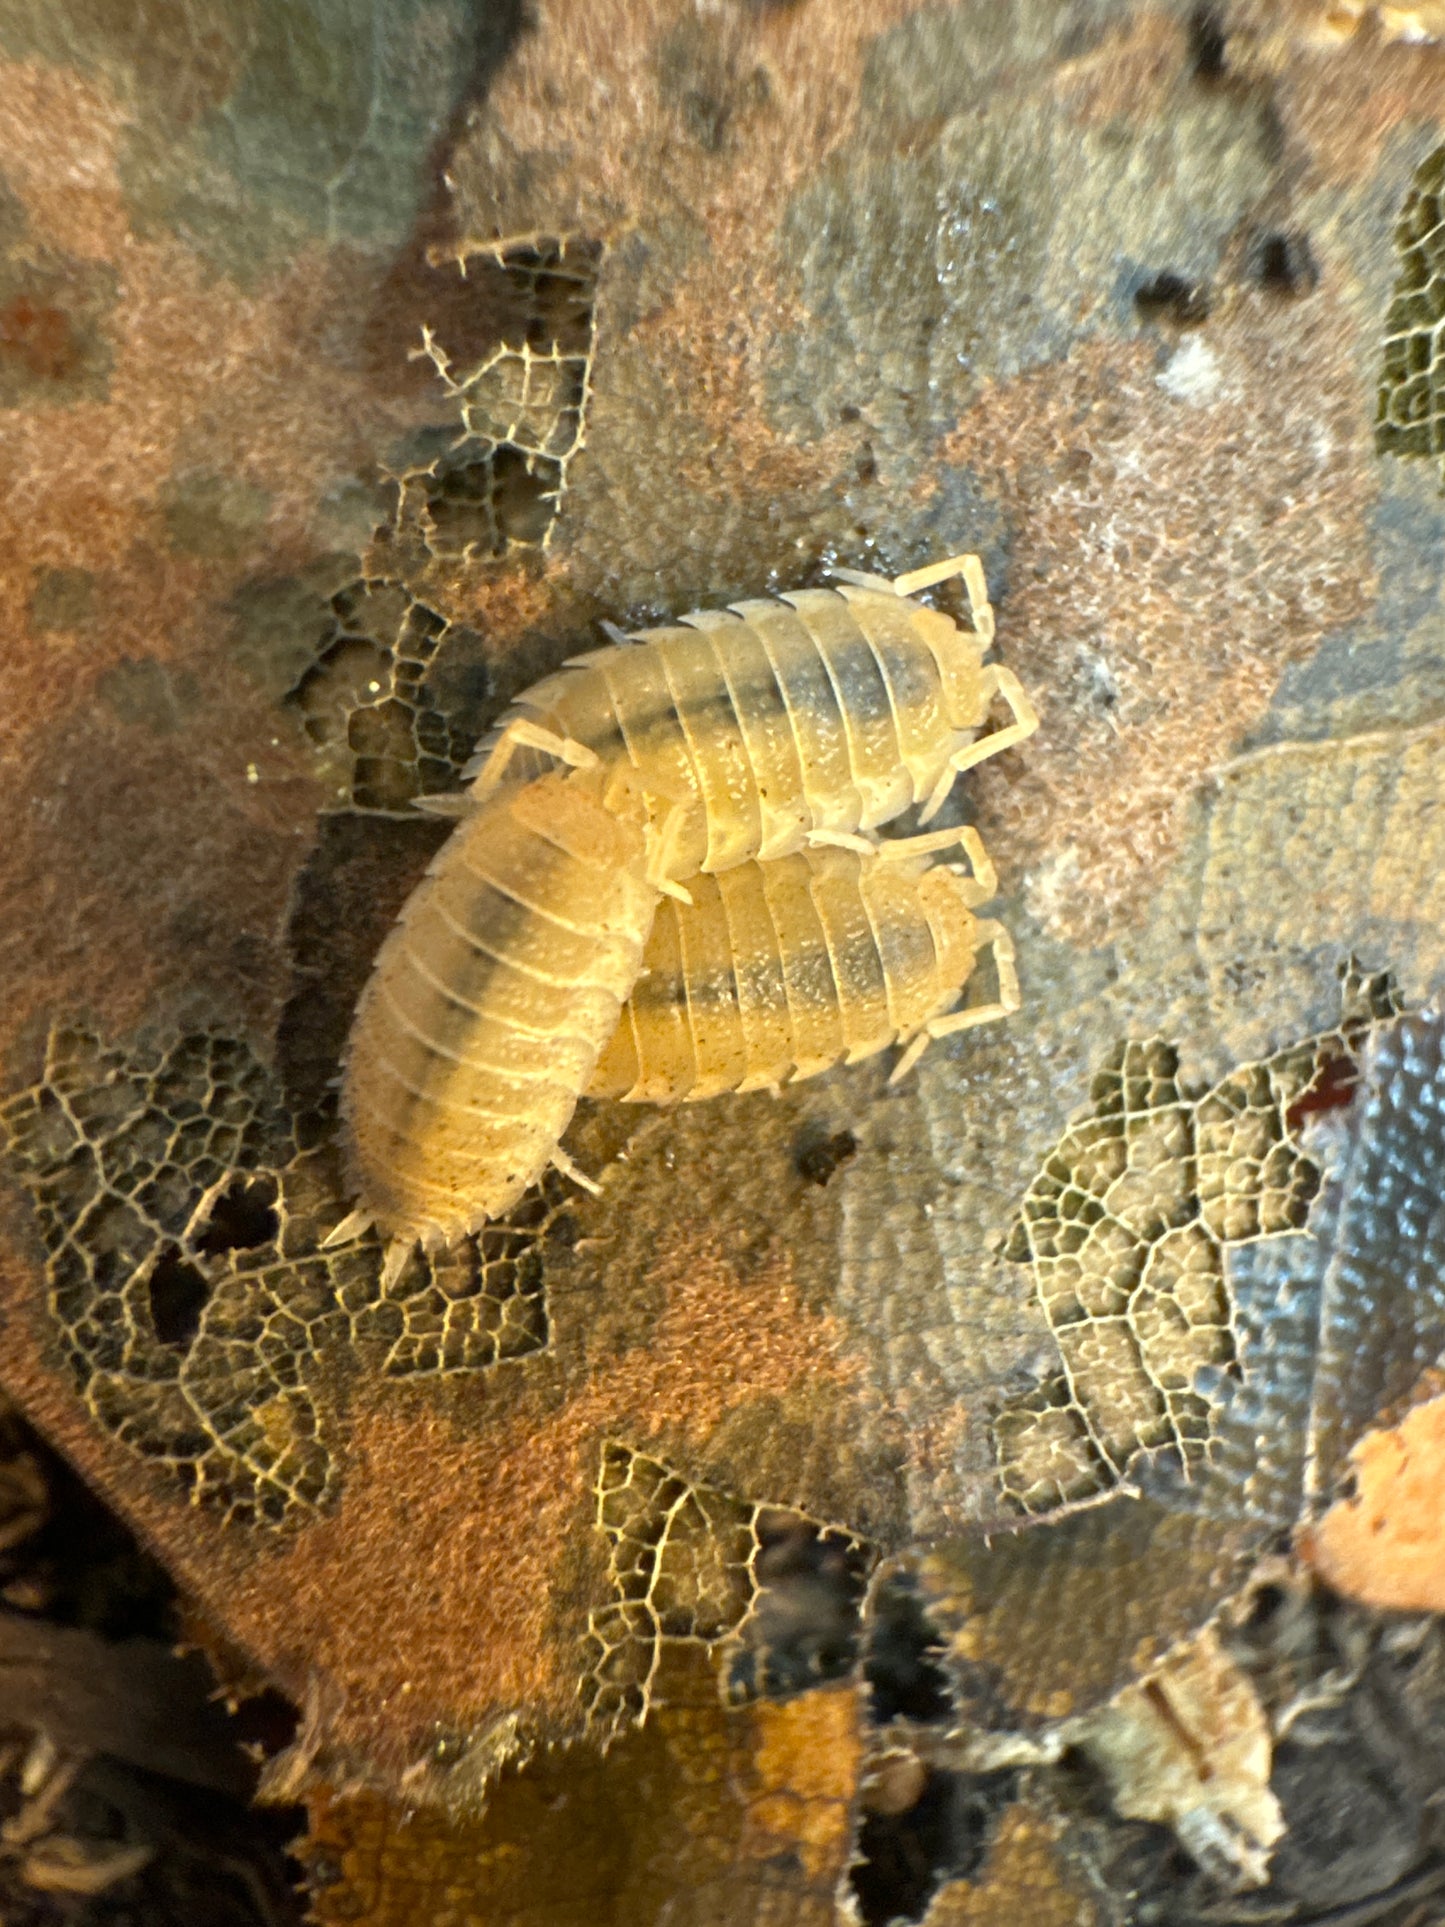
[
  {"x": 780, "y": 970},
  {"x": 486, "y": 1010},
  {"x": 776, "y": 723}
]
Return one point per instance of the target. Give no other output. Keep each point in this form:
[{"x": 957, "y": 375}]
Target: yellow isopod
[
  {"x": 490, "y": 999},
  {"x": 805, "y": 719},
  {"x": 780, "y": 970}
]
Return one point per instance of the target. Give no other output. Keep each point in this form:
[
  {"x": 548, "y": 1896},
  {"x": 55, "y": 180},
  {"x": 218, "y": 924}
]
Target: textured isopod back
[
  {"x": 489, "y": 1002},
  {"x": 758, "y": 729}
]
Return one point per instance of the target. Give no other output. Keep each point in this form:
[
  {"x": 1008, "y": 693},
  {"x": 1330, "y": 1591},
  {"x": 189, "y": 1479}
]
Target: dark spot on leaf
[
  {"x": 38, "y": 338},
  {"x": 1282, "y": 263},
  {"x": 819, "y": 1158},
  {"x": 1169, "y": 297},
  {"x": 1333, "y": 1089},
  {"x": 62, "y": 599},
  {"x": 1208, "y": 43}
]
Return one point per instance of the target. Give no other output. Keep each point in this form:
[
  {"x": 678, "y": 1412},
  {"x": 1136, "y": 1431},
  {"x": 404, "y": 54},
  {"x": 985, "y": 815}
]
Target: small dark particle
[
  {"x": 705, "y": 118},
  {"x": 1333, "y": 1089},
  {"x": 1208, "y": 43},
  {"x": 818, "y": 1160},
  {"x": 563, "y": 1232},
  {"x": 1282, "y": 264},
  {"x": 1169, "y": 297}
]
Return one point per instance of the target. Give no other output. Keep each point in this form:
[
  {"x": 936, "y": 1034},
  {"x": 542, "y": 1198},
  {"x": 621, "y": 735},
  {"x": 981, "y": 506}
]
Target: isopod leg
[
  {"x": 572, "y": 1170},
  {"x": 910, "y": 1057},
  {"x": 894, "y": 849},
  {"x": 978, "y": 887},
  {"x": 974, "y": 581},
  {"x": 938, "y": 795},
  {"x": 860, "y": 579},
  {"x": 523, "y": 733},
  {"x": 625, "y": 795},
  {"x": 993, "y": 937},
  {"x": 841, "y": 840},
  {"x": 928, "y": 577},
  {"x": 982, "y": 885},
  {"x": 999, "y": 684},
  {"x": 661, "y": 855},
  {"x": 355, "y": 1225},
  {"x": 453, "y": 804},
  {"x": 996, "y": 940}
]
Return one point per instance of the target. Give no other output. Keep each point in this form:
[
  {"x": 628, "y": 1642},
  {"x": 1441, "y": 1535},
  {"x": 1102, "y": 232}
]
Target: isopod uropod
[
  {"x": 803, "y": 719},
  {"x": 485, "y": 1012},
  {"x": 780, "y": 970}
]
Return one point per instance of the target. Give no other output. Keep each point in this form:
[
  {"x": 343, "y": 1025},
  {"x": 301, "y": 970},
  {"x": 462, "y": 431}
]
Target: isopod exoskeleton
[
  {"x": 803, "y": 719},
  {"x": 780, "y": 970},
  {"x": 490, "y": 999}
]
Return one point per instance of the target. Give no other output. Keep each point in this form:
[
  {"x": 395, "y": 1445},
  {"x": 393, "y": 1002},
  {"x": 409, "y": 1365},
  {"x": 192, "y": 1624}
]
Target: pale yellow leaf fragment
[{"x": 1191, "y": 1747}]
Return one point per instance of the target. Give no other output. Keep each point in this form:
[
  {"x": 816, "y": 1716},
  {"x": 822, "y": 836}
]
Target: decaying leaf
[
  {"x": 345, "y": 395},
  {"x": 702, "y": 1816}
]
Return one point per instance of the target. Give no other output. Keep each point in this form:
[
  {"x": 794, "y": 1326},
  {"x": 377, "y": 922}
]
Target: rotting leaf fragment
[
  {"x": 187, "y": 1282},
  {"x": 1411, "y": 415}
]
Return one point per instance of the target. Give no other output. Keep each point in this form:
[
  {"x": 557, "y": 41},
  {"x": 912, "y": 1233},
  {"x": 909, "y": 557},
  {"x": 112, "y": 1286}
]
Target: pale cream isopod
[
  {"x": 805, "y": 719},
  {"x": 777, "y": 971},
  {"x": 490, "y": 999}
]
